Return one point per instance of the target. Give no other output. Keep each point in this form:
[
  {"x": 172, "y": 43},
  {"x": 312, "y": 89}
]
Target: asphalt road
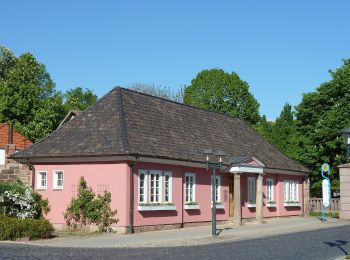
[{"x": 332, "y": 243}]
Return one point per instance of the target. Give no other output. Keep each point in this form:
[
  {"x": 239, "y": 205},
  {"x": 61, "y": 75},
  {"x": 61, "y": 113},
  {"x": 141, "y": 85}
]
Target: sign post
[{"x": 326, "y": 188}]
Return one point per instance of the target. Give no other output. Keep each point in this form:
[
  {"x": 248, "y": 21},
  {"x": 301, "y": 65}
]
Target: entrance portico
[{"x": 241, "y": 165}]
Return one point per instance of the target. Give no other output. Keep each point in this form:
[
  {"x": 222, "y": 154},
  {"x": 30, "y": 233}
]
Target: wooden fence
[{"x": 315, "y": 204}]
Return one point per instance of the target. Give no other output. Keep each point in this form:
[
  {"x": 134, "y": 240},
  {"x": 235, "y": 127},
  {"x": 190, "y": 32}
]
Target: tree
[
  {"x": 79, "y": 99},
  {"x": 7, "y": 62},
  {"x": 159, "y": 91},
  {"x": 220, "y": 91},
  {"x": 28, "y": 97},
  {"x": 320, "y": 117}
]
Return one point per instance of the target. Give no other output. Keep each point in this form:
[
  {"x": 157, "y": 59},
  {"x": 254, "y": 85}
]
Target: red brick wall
[{"x": 19, "y": 140}]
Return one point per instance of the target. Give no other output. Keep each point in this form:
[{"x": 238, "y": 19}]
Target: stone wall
[{"x": 344, "y": 177}]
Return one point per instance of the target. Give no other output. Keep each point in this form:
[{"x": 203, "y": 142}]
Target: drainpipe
[{"x": 131, "y": 212}]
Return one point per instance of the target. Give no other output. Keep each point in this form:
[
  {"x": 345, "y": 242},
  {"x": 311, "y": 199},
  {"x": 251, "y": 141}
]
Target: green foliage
[
  {"x": 13, "y": 228},
  {"x": 19, "y": 200},
  {"x": 28, "y": 97},
  {"x": 311, "y": 134},
  {"x": 86, "y": 208},
  {"x": 331, "y": 214},
  {"x": 223, "y": 92},
  {"x": 78, "y": 99}
]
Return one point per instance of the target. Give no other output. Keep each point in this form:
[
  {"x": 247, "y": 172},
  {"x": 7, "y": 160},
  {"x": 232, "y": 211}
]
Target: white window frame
[
  {"x": 217, "y": 188},
  {"x": 160, "y": 196},
  {"x": 55, "y": 180},
  {"x": 145, "y": 186},
  {"x": 291, "y": 191},
  {"x": 170, "y": 187},
  {"x": 157, "y": 197},
  {"x": 251, "y": 189},
  {"x": 191, "y": 189},
  {"x": 269, "y": 189},
  {"x": 39, "y": 180}
]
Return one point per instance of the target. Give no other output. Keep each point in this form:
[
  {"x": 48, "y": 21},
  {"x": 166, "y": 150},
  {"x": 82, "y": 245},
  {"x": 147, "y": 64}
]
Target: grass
[
  {"x": 347, "y": 257},
  {"x": 326, "y": 214}
]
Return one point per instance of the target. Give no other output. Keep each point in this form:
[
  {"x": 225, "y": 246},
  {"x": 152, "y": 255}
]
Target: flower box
[
  {"x": 291, "y": 204},
  {"x": 156, "y": 207},
  {"x": 191, "y": 206}
]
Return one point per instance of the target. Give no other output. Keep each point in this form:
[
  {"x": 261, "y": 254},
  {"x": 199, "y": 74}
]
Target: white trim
[
  {"x": 196, "y": 206},
  {"x": 270, "y": 205},
  {"x": 145, "y": 186},
  {"x": 39, "y": 179},
  {"x": 218, "y": 206},
  {"x": 248, "y": 169},
  {"x": 292, "y": 204},
  {"x": 55, "y": 180},
  {"x": 155, "y": 207},
  {"x": 271, "y": 180},
  {"x": 170, "y": 199},
  {"x": 251, "y": 189},
  {"x": 193, "y": 188},
  {"x": 251, "y": 205}
]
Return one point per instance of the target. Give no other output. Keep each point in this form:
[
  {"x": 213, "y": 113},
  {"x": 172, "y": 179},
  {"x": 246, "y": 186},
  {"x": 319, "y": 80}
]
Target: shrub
[
  {"x": 12, "y": 228},
  {"x": 86, "y": 208},
  {"x": 20, "y": 201}
]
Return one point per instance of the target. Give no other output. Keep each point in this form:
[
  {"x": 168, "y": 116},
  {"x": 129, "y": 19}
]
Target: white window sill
[
  {"x": 292, "y": 204},
  {"x": 191, "y": 206},
  {"x": 271, "y": 205},
  {"x": 251, "y": 205},
  {"x": 218, "y": 206},
  {"x": 41, "y": 188},
  {"x": 57, "y": 188},
  {"x": 156, "y": 207}
]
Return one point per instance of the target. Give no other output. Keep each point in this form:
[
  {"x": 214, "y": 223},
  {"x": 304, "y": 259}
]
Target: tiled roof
[
  {"x": 125, "y": 122},
  {"x": 19, "y": 140}
]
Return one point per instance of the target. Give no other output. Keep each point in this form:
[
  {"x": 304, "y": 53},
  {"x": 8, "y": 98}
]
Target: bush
[
  {"x": 20, "y": 201},
  {"x": 12, "y": 228},
  {"x": 86, "y": 208}
]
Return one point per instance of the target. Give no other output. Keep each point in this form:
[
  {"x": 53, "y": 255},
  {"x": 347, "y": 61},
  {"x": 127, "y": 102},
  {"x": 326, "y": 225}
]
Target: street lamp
[
  {"x": 346, "y": 134},
  {"x": 208, "y": 153}
]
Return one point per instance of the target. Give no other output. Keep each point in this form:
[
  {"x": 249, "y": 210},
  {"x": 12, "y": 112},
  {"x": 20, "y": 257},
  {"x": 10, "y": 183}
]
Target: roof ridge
[
  {"x": 59, "y": 127},
  {"x": 182, "y": 104},
  {"x": 122, "y": 126}
]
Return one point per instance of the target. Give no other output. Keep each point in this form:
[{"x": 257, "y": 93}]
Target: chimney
[{"x": 10, "y": 134}]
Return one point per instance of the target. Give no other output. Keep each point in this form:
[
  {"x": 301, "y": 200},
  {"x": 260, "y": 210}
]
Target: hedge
[{"x": 13, "y": 228}]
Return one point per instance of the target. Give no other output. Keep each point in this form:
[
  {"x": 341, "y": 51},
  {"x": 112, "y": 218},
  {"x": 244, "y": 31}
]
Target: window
[
  {"x": 167, "y": 187},
  {"x": 58, "y": 179},
  {"x": 251, "y": 189},
  {"x": 42, "y": 180},
  {"x": 217, "y": 189},
  {"x": 154, "y": 186},
  {"x": 291, "y": 191},
  {"x": 269, "y": 190},
  {"x": 190, "y": 182}
]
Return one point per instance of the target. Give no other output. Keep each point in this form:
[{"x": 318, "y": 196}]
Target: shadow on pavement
[{"x": 339, "y": 244}]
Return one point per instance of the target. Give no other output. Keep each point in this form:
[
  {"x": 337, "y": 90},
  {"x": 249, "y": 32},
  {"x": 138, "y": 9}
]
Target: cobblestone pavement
[
  {"x": 330, "y": 243},
  {"x": 197, "y": 235}
]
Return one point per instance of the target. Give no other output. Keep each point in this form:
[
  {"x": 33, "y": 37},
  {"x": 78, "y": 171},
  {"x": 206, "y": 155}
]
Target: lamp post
[
  {"x": 346, "y": 134},
  {"x": 208, "y": 153}
]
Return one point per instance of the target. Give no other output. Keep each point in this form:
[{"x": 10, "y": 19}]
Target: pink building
[{"x": 147, "y": 152}]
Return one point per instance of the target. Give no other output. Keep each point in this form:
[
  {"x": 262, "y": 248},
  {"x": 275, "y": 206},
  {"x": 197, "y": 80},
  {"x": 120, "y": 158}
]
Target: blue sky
[{"x": 281, "y": 48}]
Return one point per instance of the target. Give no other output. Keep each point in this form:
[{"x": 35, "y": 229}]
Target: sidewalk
[{"x": 196, "y": 235}]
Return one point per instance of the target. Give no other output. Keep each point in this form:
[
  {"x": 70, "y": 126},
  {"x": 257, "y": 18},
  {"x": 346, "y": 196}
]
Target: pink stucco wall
[
  {"x": 113, "y": 176},
  {"x": 280, "y": 209}
]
